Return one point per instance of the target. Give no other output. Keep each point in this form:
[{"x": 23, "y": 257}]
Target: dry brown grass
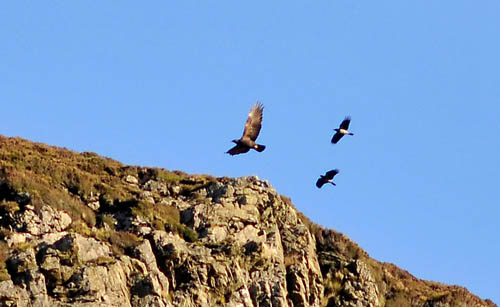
[
  {"x": 67, "y": 180},
  {"x": 4, "y": 255}
]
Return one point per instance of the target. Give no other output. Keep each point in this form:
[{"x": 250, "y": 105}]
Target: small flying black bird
[
  {"x": 342, "y": 130},
  {"x": 251, "y": 132},
  {"x": 327, "y": 178}
]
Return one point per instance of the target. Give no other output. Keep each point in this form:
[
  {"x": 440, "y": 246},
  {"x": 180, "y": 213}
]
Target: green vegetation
[
  {"x": 397, "y": 299},
  {"x": 164, "y": 217},
  {"x": 4, "y": 255},
  {"x": 80, "y": 227},
  {"x": 122, "y": 242},
  {"x": 7, "y": 211},
  {"x": 8, "y": 206},
  {"x": 46, "y": 174},
  {"x": 169, "y": 177},
  {"x": 40, "y": 175},
  {"x": 330, "y": 240}
]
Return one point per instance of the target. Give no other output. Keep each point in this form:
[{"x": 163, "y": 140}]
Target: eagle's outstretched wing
[
  {"x": 238, "y": 149},
  {"x": 254, "y": 122},
  {"x": 345, "y": 123}
]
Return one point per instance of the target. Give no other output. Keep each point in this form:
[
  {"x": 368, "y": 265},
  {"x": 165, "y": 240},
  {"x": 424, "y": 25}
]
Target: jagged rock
[
  {"x": 156, "y": 238},
  {"x": 89, "y": 249},
  {"x": 147, "y": 196},
  {"x": 131, "y": 180},
  {"x": 156, "y": 187},
  {"x": 45, "y": 221},
  {"x": 156, "y": 282},
  {"x": 25, "y": 274},
  {"x": 360, "y": 288},
  {"x": 12, "y": 295},
  {"x": 16, "y": 239},
  {"x": 94, "y": 204}
]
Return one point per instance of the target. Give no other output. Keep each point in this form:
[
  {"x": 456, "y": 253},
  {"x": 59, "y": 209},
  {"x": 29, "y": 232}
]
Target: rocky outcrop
[{"x": 81, "y": 230}]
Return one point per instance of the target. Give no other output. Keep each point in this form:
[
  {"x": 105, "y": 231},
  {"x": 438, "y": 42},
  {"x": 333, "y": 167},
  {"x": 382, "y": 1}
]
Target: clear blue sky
[{"x": 170, "y": 83}]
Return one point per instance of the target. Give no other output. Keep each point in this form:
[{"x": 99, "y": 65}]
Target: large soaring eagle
[
  {"x": 327, "y": 178},
  {"x": 251, "y": 132},
  {"x": 342, "y": 130}
]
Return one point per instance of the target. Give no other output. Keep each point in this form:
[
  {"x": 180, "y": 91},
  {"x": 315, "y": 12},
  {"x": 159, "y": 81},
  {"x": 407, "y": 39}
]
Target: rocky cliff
[{"x": 82, "y": 230}]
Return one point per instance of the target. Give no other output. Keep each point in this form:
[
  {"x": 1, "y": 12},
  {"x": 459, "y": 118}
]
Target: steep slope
[{"x": 82, "y": 230}]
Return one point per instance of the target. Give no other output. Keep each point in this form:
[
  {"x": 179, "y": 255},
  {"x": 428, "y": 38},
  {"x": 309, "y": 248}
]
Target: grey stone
[{"x": 45, "y": 221}]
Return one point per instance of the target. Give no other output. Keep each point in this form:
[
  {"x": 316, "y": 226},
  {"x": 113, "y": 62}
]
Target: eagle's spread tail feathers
[{"x": 260, "y": 148}]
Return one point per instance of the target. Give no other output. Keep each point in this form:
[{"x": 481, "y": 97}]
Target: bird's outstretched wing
[
  {"x": 345, "y": 123},
  {"x": 332, "y": 173},
  {"x": 254, "y": 122},
  {"x": 336, "y": 137},
  {"x": 320, "y": 182},
  {"x": 238, "y": 149}
]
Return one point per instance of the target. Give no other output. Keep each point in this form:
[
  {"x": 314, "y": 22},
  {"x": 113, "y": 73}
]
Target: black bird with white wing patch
[
  {"x": 327, "y": 178},
  {"x": 342, "y": 130}
]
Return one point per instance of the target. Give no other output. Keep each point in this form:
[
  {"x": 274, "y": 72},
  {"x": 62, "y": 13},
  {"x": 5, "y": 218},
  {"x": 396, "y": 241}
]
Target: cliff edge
[{"x": 77, "y": 229}]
